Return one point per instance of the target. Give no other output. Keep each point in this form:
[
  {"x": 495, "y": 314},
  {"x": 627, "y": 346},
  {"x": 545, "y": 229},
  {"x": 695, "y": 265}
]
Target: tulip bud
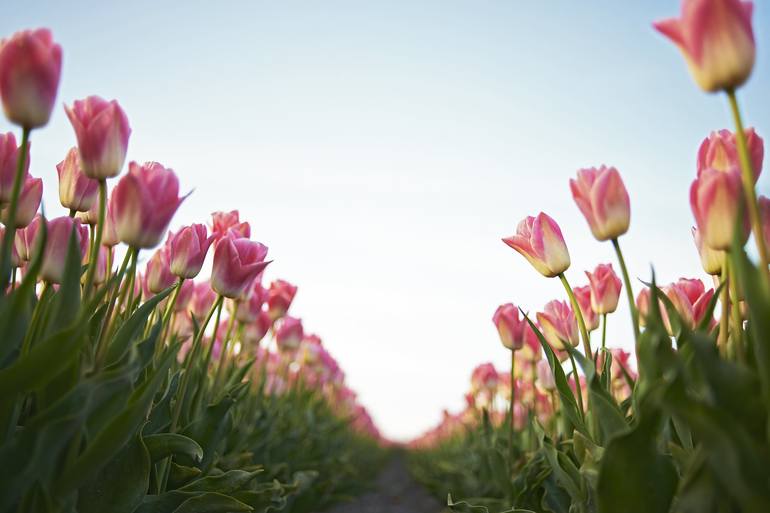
[
  {"x": 9, "y": 157},
  {"x": 605, "y": 289},
  {"x": 102, "y": 131},
  {"x": 715, "y": 199},
  {"x": 289, "y": 334},
  {"x": 203, "y": 298},
  {"x": 583, "y": 298},
  {"x": 223, "y": 223},
  {"x": 76, "y": 191},
  {"x": 237, "y": 262},
  {"x": 716, "y": 39},
  {"x": 143, "y": 203},
  {"x": 280, "y": 295},
  {"x": 158, "y": 276},
  {"x": 643, "y": 301},
  {"x": 30, "y": 67},
  {"x": 712, "y": 260},
  {"x": 720, "y": 151},
  {"x": 558, "y": 324},
  {"x": 25, "y": 240},
  {"x": 509, "y": 326},
  {"x": 539, "y": 240},
  {"x": 188, "y": 248},
  {"x": 256, "y": 331},
  {"x": 109, "y": 234},
  {"x": 602, "y": 198},
  {"x": 545, "y": 379},
  {"x": 484, "y": 378},
  {"x": 184, "y": 297},
  {"x": 249, "y": 309},
  {"x": 29, "y": 201},
  {"x": 690, "y": 299},
  {"x": 56, "y": 244}
]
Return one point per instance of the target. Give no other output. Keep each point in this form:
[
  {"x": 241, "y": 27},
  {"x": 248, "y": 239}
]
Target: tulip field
[{"x": 144, "y": 370}]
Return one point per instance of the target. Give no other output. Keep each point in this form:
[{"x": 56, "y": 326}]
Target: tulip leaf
[
  {"x": 166, "y": 444},
  {"x": 212, "y": 502},
  {"x": 131, "y": 328}
]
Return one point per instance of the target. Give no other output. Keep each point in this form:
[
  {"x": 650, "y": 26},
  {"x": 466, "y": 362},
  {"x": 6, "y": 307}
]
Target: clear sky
[{"x": 381, "y": 149}]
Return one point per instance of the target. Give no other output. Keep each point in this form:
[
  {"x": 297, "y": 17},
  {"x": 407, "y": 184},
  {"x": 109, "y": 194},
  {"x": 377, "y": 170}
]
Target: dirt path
[{"x": 395, "y": 492}]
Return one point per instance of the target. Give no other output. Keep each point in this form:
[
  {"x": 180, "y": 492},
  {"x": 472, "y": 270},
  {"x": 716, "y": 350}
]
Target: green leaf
[
  {"x": 133, "y": 326},
  {"x": 211, "y": 502},
  {"x": 167, "y": 444},
  {"x": 228, "y": 482}
]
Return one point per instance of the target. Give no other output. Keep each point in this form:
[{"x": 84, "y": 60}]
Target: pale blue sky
[{"x": 381, "y": 149}]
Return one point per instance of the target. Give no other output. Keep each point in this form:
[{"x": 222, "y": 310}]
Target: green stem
[
  {"x": 579, "y": 315},
  {"x": 93, "y": 264},
  {"x": 73, "y": 212},
  {"x": 107, "y": 323},
  {"x": 740, "y": 354},
  {"x": 223, "y": 349},
  {"x": 629, "y": 290},
  {"x": 512, "y": 412},
  {"x": 747, "y": 178},
  {"x": 10, "y": 225},
  {"x": 724, "y": 318},
  {"x": 604, "y": 331},
  {"x": 579, "y": 392},
  {"x": 210, "y": 349}
]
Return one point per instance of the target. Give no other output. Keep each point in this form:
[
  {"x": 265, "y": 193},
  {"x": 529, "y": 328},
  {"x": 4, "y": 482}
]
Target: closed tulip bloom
[
  {"x": 203, "y": 298},
  {"x": 289, "y": 334},
  {"x": 583, "y": 297},
  {"x": 29, "y": 201},
  {"x": 249, "y": 309},
  {"x": 25, "y": 240},
  {"x": 143, "y": 203},
  {"x": 558, "y": 324},
  {"x": 690, "y": 299},
  {"x": 643, "y": 301},
  {"x": 545, "y": 379},
  {"x": 720, "y": 151},
  {"x": 56, "y": 244},
  {"x": 510, "y": 326},
  {"x": 109, "y": 234},
  {"x": 602, "y": 198},
  {"x": 102, "y": 131},
  {"x": 716, "y": 40},
  {"x": 715, "y": 199},
  {"x": 185, "y": 296},
  {"x": 255, "y": 331},
  {"x": 223, "y": 223},
  {"x": 539, "y": 240},
  {"x": 280, "y": 295},
  {"x": 30, "y": 67},
  {"x": 188, "y": 248},
  {"x": 484, "y": 378},
  {"x": 158, "y": 276},
  {"x": 76, "y": 191},
  {"x": 9, "y": 157},
  {"x": 605, "y": 289},
  {"x": 237, "y": 262},
  {"x": 712, "y": 260},
  {"x": 531, "y": 350}
]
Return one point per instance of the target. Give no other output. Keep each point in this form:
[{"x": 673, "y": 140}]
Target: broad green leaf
[
  {"x": 165, "y": 444},
  {"x": 212, "y": 502},
  {"x": 228, "y": 482},
  {"x": 132, "y": 327}
]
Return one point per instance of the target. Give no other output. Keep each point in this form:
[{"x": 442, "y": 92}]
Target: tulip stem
[
  {"x": 97, "y": 242},
  {"x": 107, "y": 323},
  {"x": 512, "y": 412},
  {"x": 73, "y": 212},
  {"x": 578, "y": 391},
  {"x": 740, "y": 355},
  {"x": 629, "y": 290},
  {"x": 10, "y": 225},
  {"x": 604, "y": 331},
  {"x": 747, "y": 178},
  {"x": 579, "y": 315},
  {"x": 223, "y": 349},
  {"x": 167, "y": 314},
  {"x": 724, "y": 318}
]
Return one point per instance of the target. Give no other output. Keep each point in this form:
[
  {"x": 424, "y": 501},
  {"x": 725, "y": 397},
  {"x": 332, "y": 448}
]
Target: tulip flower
[
  {"x": 100, "y": 276},
  {"x": 9, "y": 157},
  {"x": 24, "y": 243},
  {"x": 56, "y": 244},
  {"x": 143, "y": 203},
  {"x": 545, "y": 379},
  {"x": 510, "y": 326},
  {"x": 202, "y": 300},
  {"x": 110, "y": 234},
  {"x": 690, "y": 299},
  {"x": 223, "y": 223},
  {"x": 602, "y": 198},
  {"x": 255, "y": 331},
  {"x": 539, "y": 240},
  {"x": 102, "y": 131},
  {"x": 77, "y": 192},
  {"x": 716, "y": 39},
  {"x": 605, "y": 289},
  {"x": 30, "y": 67},
  {"x": 29, "y": 201},
  {"x": 558, "y": 324},
  {"x": 583, "y": 297},
  {"x": 237, "y": 262},
  {"x": 158, "y": 276},
  {"x": 188, "y": 248},
  {"x": 289, "y": 334},
  {"x": 186, "y": 291},
  {"x": 715, "y": 199},
  {"x": 720, "y": 151},
  {"x": 484, "y": 378},
  {"x": 248, "y": 310},
  {"x": 279, "y": 298},
  {"x": 712, "y": 260}
]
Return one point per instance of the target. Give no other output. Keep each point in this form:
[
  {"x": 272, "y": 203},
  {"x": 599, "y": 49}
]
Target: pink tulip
[
  {"x": 237, "y": 262},
  {"x": 30, "y": 67},
  {"x": 25, "y": 240},
  {"x": 256, "y": 331},
  {"x": 605, "y": 289},
  {"x": 188, "y": 248},
  {"x": 558, "y": 324},
  {"x": 29, "y": 201},
  {"x": 280, "y": 295},
  {"x": 510, "y": 326},
  {"x": 716, "y": 39},
  {"x": 720, "y": 151},
  {"x": 100, "y": 276},
  {"x": 56, "y": 244},
  {"x": 102, "y": 131},
  {"x": 690, "y": 298},
  {"x": 248, "y": 310},
  {"x": 185, "y": 296},
  {"x": 143, "y": 203},
  {"x": 484, "y": 378},
  {"x": 109, "y": 234},
  {"x": 289, "y": 334},
  {"x": 643, "y": 302},
  {"x": 76, "y": 191},
  {"x": 602, "y": 198},
  {"x": 158, "y": 276},
  {"x": 203, "y": 298},
  {"x": 715, "y": 199},
  {"x": 9, "y": 157},
  {"x": 539, "y": 240},
  {"x": 223, "y": 223},
  {"x": 545, "y": 379},
  {"x": 583, "y": 297},
  {"x": 712, "y": 260}
]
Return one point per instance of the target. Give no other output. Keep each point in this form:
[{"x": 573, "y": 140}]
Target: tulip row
[
  {"x": 681, "y": 427},
  {"x": 130, "y": 391}
]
